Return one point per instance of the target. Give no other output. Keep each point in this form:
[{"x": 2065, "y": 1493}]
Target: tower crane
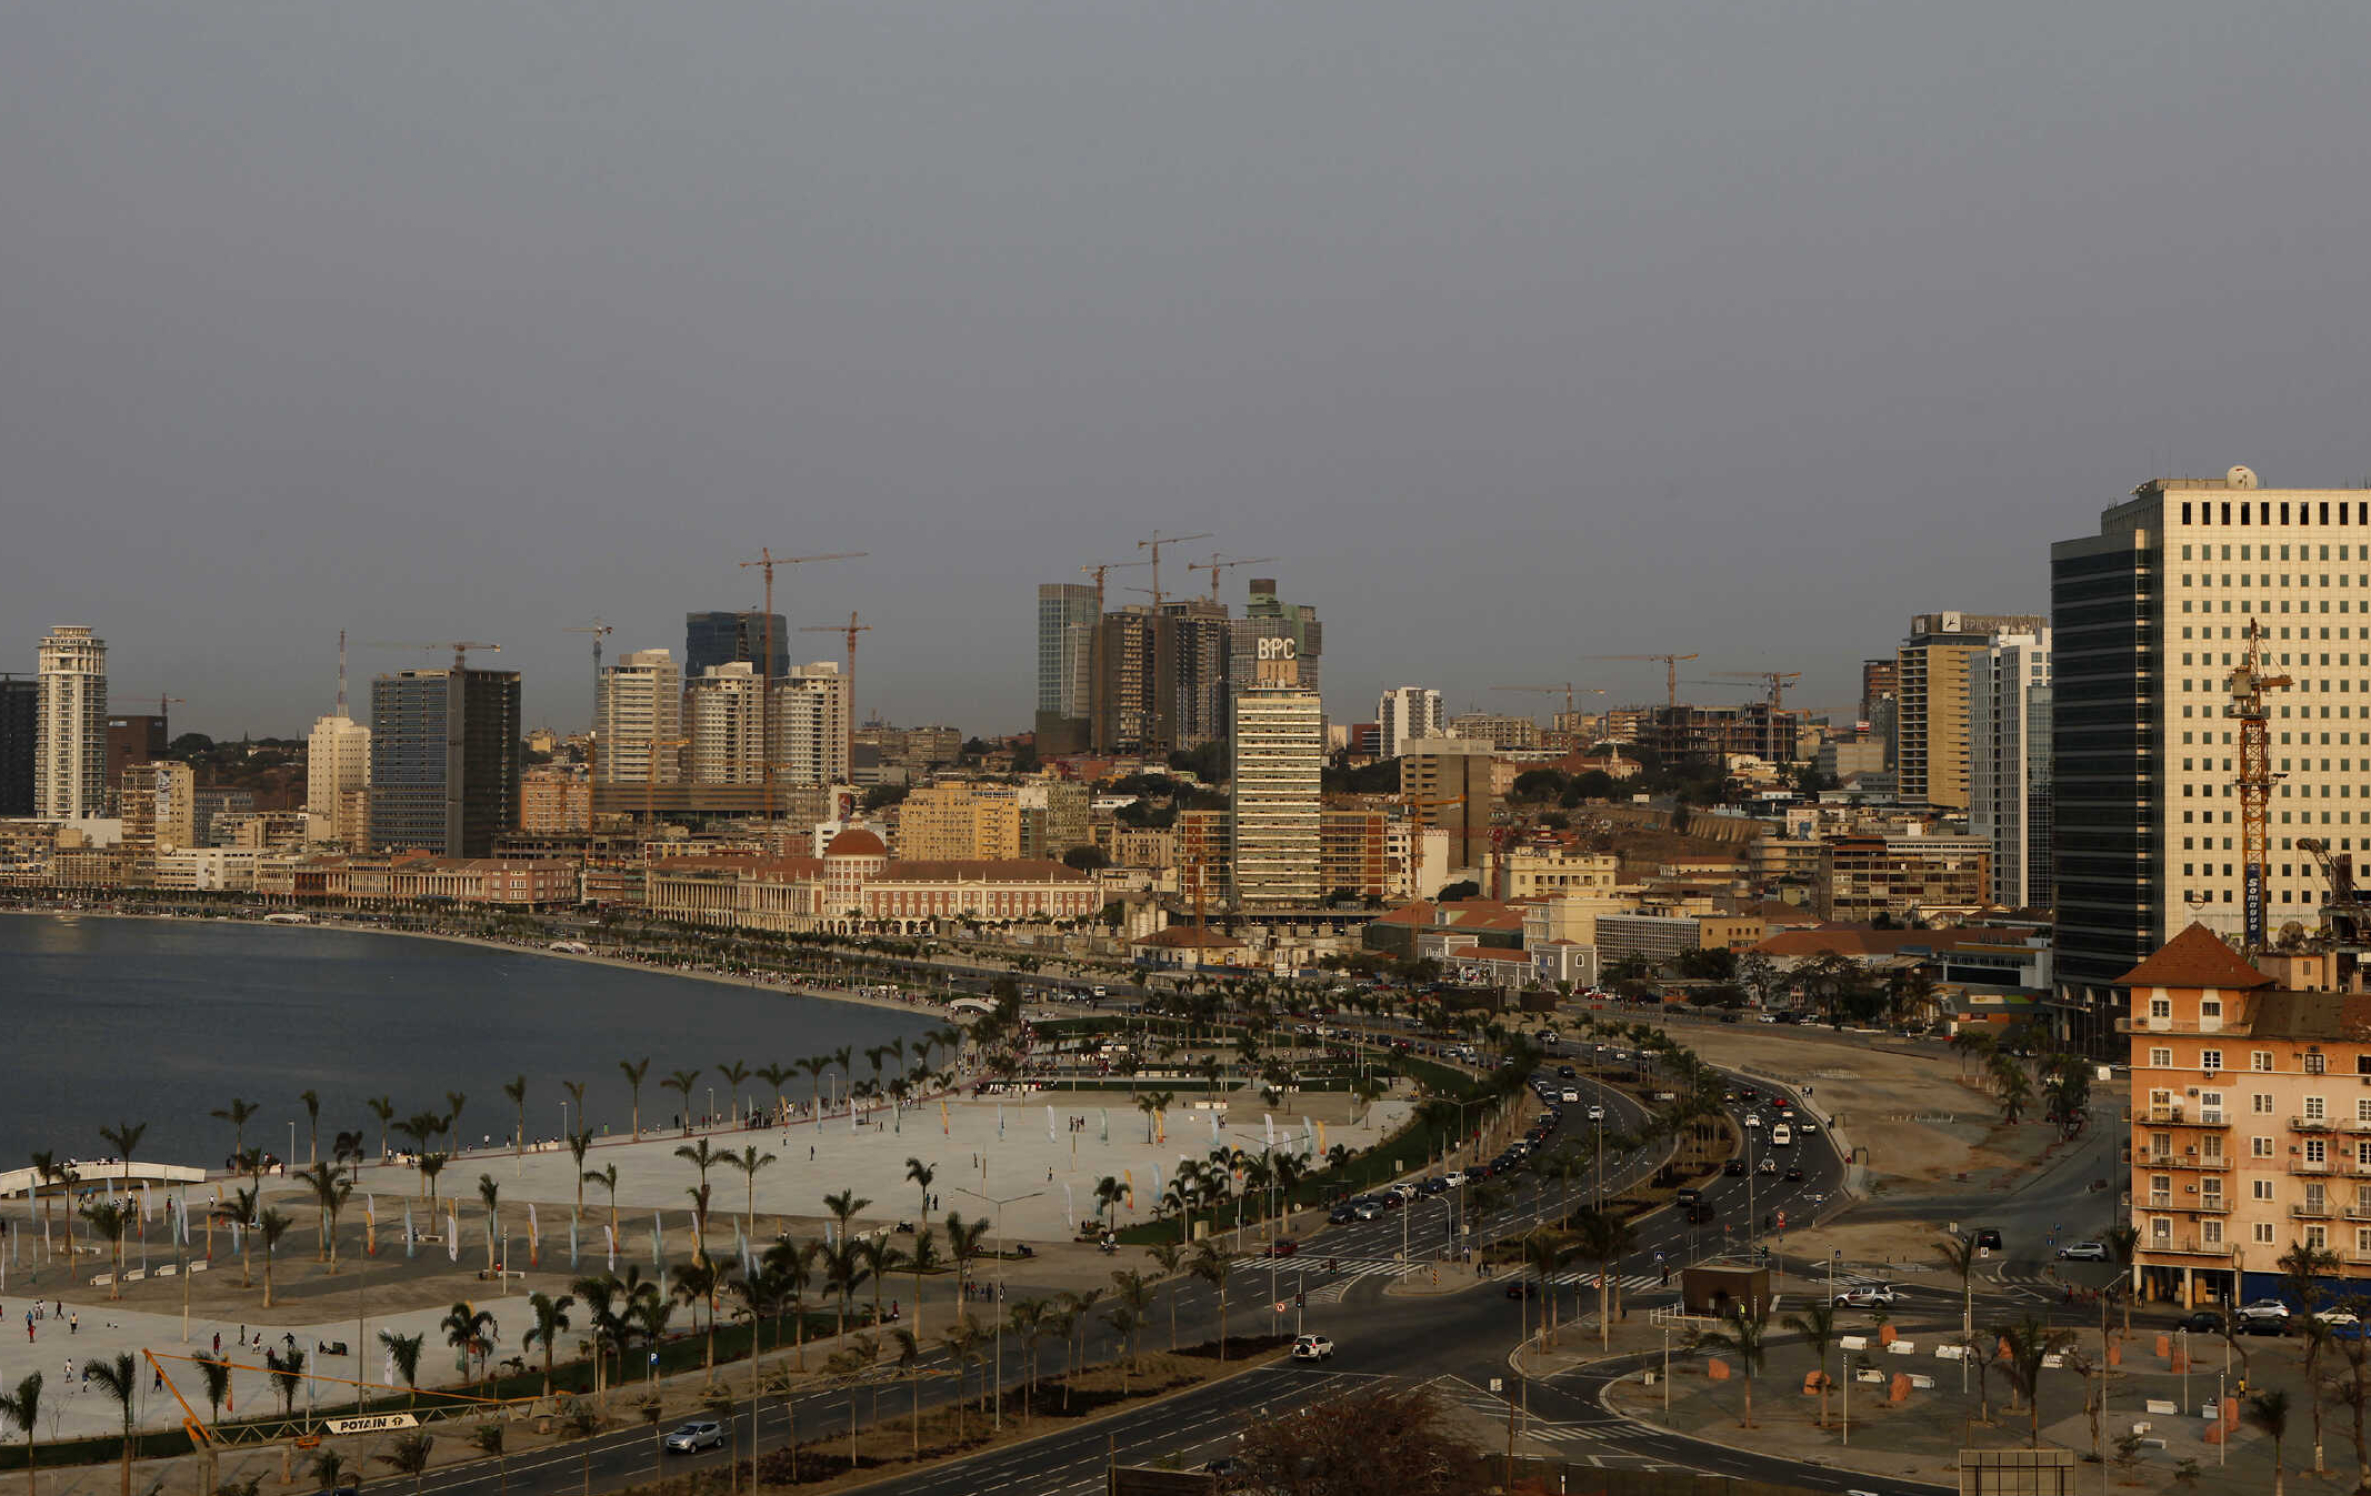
[
  {"x": 599, "y": 630},
  {"x": 1567, "y": 688},
  {"x": 2249, "y": 681},
  {"x": 849, "y": 630},
  {"x": 460, "y": 648},
  {"x": 1154, "y": 545},
  {"x": 767, "y": 561},
  {"x": 1671, "y": 663},
  {"x": 1777, "y": 680},
  {"x": 1096, "y": 571},
  {"x": 1217, "y": 564}
]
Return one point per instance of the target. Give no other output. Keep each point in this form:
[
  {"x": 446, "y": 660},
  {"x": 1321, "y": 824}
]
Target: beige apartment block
[{"x": 960, "y": 820}]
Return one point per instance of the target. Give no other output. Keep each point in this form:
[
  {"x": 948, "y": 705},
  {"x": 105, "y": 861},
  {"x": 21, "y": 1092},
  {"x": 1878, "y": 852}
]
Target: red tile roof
[
  {"x": 2197, "y": 958},
  {"x": 856, "y": 842},
  {"x": 1186, "y": 937}
]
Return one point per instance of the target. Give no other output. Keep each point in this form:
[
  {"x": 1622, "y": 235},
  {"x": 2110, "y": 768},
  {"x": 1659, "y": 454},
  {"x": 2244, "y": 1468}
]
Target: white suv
[{"x": 1313, "y": 1348}]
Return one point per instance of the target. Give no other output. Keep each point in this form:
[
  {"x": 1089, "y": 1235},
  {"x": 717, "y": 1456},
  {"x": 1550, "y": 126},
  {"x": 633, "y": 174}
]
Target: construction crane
[
  {"x": 599, "y": 630},
  {"x": 1154, "y": 545},
  {"x": 2249, "y": 682},
  {"x": 1671, "y": 664},
  {"x": 1096, "y": 571},
  {"x": 460, "y": 648},
  {"x": 766, "y": 561},
  {"x": 1777, "y": 680},
  {"x": 849, "y": 630},
  {"x": 1216, "y": 564},
  {"x": 1567, "y": 688}
]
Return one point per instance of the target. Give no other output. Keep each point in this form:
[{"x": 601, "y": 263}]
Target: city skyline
[{"x": 1512, "y": 342}]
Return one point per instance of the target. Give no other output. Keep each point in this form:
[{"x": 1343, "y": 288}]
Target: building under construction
[{"x": 1711, "y": 734}]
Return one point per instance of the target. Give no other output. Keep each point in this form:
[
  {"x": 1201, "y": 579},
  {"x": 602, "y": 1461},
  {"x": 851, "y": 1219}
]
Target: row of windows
[
  {"x": 2254, "y": 605},
  {"x": 2263, "y": 509},
  {"x": 2260, "y": 1061}
]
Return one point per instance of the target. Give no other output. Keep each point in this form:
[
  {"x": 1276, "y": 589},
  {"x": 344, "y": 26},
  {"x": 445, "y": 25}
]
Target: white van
[{"x": 1782, "y": 1136}]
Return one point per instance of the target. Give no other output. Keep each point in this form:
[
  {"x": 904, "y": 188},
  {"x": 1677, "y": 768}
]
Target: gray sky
[{"x": 1518, "y": 332}]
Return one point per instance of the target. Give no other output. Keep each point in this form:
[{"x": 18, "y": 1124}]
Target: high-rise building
[
  {"x": 2150, "y": 617},
  {"x": 131, "y": 741},
  {"x": 1135, "y": 682},
  {"x": 1276, "y": 847},
  {"x": 1202, "y": 644},
  {"x": 1066, "y": 623},
  {"x": 720, "y": 638},
  {"x": 159, "y": 803},
  {"x": 726, "y": 726},
  {"x": 1266, "y": 616},
  {"x": 1447, "y": 783},
  {"x": 20, "y": 721},
  {"x": 2009, "y": 764},
  {"x": 444, "y": 760},
  {"x": 1931, "y": 723},
  {"x": 337, "y": 780},
  {"x": 811, "y": 738},
  {"x": 1406, "y": 712},
  {"x": 1056, "y": 815},
  {"x": 637, "y": 703},
  {"x": 70, "y": 742}
]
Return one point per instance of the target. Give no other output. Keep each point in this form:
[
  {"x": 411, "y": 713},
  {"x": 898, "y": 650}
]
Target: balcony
[
  {"x": 2184, "y": 1246},
  {"x": 2162, "y": 1114},
  {"x": 2213, "y": 1205},
  {"x": 2313, "y": 1166},
  {"x": 2190, "y": 1159},
  {"x": 2354, "y": 1124},
  {"x": 2355, "y": 1257},
  {"x": 2357, "y": 1212},
  {"x": 2309, "y": 1211},
  {"x": 2160, "y": 1202},
  {"x": 2312, "y": 1124}
]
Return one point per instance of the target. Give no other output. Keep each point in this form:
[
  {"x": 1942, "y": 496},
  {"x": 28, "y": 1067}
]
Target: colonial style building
[{"x": 854, "y": 886}]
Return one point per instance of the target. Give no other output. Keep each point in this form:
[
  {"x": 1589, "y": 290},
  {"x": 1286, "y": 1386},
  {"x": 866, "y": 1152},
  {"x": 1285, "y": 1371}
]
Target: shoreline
[{"x": 888, "y": 1005}]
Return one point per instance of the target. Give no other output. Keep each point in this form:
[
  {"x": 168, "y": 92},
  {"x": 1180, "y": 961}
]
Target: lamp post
[{"x": 1000, "y": 1205}]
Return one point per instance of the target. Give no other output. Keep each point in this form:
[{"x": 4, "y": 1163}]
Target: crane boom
[
  {"x": 766, "y": 561},
  {"x": 1671, "y": 663}
]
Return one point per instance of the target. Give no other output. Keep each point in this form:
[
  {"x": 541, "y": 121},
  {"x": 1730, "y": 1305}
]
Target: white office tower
[
  {"x": 637, "y": 705},
  {"x": 811, "y": 726},
  {"x": 70, "y": 742},
  {"x": 1407, "y": 712},
  {"x": 1274, "y": 830},
  {"x": 2009, "y": 764}
]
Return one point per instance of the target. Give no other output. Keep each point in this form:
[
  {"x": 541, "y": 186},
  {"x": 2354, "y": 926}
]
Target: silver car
[{"x": 697, "y": 1435}]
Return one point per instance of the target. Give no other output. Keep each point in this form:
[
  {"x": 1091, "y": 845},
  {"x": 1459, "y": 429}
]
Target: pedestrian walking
[{"x": 74, "y": 1323}]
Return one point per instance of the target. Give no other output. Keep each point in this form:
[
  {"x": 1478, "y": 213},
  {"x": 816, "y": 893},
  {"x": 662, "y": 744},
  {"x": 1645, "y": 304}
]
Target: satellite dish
[{"x": 2241, "y": 477}]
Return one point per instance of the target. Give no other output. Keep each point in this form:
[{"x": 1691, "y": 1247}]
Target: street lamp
[{"x": 999, "y": 1316}]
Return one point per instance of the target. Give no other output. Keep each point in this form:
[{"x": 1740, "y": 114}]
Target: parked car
[
  {"x": 2257, "y": 1312},
  {"x": 1367, "y": 1210},
  {"x": 688, "y": 1437},
  {"x": 1523, "y": 1288},
  {"x": 1342, "y": 1214},
  {"x": 1313, "y": 1348},
  {"x": 2201, "y": 1322},
  {"x": 2084, "y": 1251}
]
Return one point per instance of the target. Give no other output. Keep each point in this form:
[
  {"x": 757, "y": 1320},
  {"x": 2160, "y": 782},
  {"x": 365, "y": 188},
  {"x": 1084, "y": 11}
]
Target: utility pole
[{"x": 767, "y": 561}]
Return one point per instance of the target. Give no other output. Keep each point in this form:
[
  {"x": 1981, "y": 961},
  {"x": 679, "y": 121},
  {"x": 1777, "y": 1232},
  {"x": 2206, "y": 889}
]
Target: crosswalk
[{"x": 1459, "y": 1392}]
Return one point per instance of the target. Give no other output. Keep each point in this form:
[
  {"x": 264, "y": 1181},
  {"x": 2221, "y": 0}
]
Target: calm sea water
[{"x": 104, "y": 1021}]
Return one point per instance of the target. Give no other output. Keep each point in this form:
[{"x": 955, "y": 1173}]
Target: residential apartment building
[
  {"x": 1506, "y": 734},
  {"x": 960, "y": 820},
  {"x": 555, "y": 800},
  {"x": 1447, "y": 783},
  {"x": 1066, "y": 622},
  {"x": 638, "y": 703},
  {"x": 1931, "y": 714},
  {"x": 1355, "y": 853},
  {"x": 811, "y": 724},
  {"x": 1861, "y": 877},
  {"x": 158, "y": 803},
  {"x": 444, "y": 760},
  {"x": 726, "y": 725},
  {"x": 70, "y": 733},
  {"x": 20, "y": 722},
  {"x": 2251, "y": 1124},
  {"x": 1201, "y": 643},
  {"x": 1056, "y": 815},
  {"x": 2150, "y": 617},
  {"x": 2009, "y": 764},
  {"x": 1543, "y": 867},
  {"x": 131, "y": 740},
  {"x": 1407, "y": 712},
  {"x": 1278, "y": 762}
]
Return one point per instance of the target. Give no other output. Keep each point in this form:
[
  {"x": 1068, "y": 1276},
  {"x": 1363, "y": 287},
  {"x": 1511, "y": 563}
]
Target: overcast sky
[{"x": 1516, "y": 333}]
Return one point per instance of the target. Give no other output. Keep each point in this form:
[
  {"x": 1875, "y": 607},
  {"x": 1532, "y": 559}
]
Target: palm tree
[
  {"x": 471, "y": 1332},
  {"x": 516, "y": 1090},
  {"x": 921, "y": 1176},
  {"x": 2267, "y": 1410},
  {"x": 580, "y": 1143},
  {"x": 774, "y": 1076},
  {"x": 841, "y": 1059},
  {"x": 909, "y": 1366},
  {"x": 119, "y": 1378},
  {"x": 110, "y": 1219},
  {"x": 1169, "y": 1256},
  {"x": 1959, "y": 1255},
  {"x": 1076, "y": 1306},
  {"x": 1605, "y": 1240},
  {"x": 966, "y": 1243},
  {"x": 792, "y": 1265},
  {"x": 488, "y": 1438},
  {"x": 634, "y": 1070},
  {"x": 551, "y": 1320},
  {"x": 123, "y": 1138},
  {"x": 1135, "y": 1295},
  {"x": 749, "y": 1162},
  {"x": 2123, "y": 1240},
  {"x": 491, "y": 1194},
  {"x": 408, "y": 1455},
  {"x": 1817, "y": 1325},
  {"x": 237, "y": 1115},
  {"x": 383, "y": 1108},
  {"x": 312, "y": 1101},
  {"x": 1747, "y": 1335},
  {"x": 696, "y": 1284},
  {"x": 1029, "y": 1320},
  {"x": 815, "y": 1065},
  {"x": 432, "y": 1165},
  {"x": 922, "y": 1257},
  {"x": 454, "y": 1099},
  {"x": 1212, "y": 1266},
  {"x": 962, "y": 1340},
  {"x": 331, "y": 1190},
  {"x": 48, "y": 1171},
  {"x": 682, "y": 1082},
  {"x": 23, "y": 1408},
  {"x": 2027, "y": 1343},
  {"x": 271, "y": 1226},
  {"x": 606, "y": 1175},
  {"x": 881, "y": 1258},
  {"x": 330, "y": 1467},
  {"x": 733, "y": 1075},
  {"x": 702, "y": 1158},
  {"x": 404, "y": 1351},
  {"x": 843, "y": 1272},
  {"x": 2302, "y": 1268}
]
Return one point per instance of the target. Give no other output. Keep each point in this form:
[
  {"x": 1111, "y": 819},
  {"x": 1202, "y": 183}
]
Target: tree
[
  {"x": 470, "y": 1331},
  {"x": 749, "y": 1163},
  {"x": 330, "y": 1467},
  {"x": 404, "y": 1351},
  {"x": 551, "y": 1321},
  {"x": 516, "y": 1091},
  {"x": 237, "y": 1115},
  {"x": 287, "y": 1375},
  {"x": 733, "y": 1073},
  {"x": 682, "y": 1082},
  {"x": 408, "y": 1455},
  {"x": 1213, "y": 1266},
  {"x": 1388, "y": 1439},
  {"x": 23, "y": 1408},
  {"x": 1817, "y": 1325},
  {"x": 331, "y": 1190},
  {"x": 634, "y": 1071},
  {"x": 1747, "y": 1335},
  {"x": 1606, "y": 1239},
  {"x": 488, "y": 1437},
  {"x": 490, "y": 1193},
  {"x": 1086, "y": 858},
  {"x": 271, "y": 1225},
  {"x": 2267, "y": 1410},
  {"x": 110, "y": 1219},
  {"x": 606, "y": 1175},
  {"x": 2302, "y": 1268},
  {"x": 119, "y": 1377},
  {"x": 2028, "y": 1342},
  {"x": 695, "y": 1286}
]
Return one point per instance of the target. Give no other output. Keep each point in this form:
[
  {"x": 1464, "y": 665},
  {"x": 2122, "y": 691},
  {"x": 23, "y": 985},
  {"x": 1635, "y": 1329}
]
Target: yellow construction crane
[
  {"x": 1096, "y": 571},
  {"x": 1671, "y": 664},
  {"x": 1154, "y": 545},
  {"x": 848, "y": 630},
  {"x": 766, "y": 561},
  {"x": 460, "y": 648},
  {"x": 1777, "y": 680},
  {"x": 1217, "y": 564}
]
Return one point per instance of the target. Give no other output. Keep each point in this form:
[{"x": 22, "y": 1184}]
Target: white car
[
  {"x": 1313, "y": 1348},
  {"x": 2265, "y": 1309},
  {"x": 688, "y": 1437},
  {"x": 1571, "y": 1093},
  {"x": 1597, "y": 1114},
  {"x": 1455, "y": 1179},
  {"x": 1868, "y": 1296},
  {"x": 1754, "y": 1120}
]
